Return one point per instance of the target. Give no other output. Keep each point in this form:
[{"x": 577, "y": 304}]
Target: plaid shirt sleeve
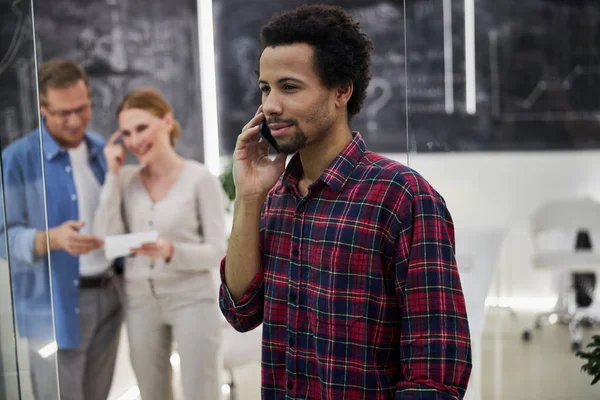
[
  {"x": 435, "y": 350},
  {"x": 247, "y": 313}
]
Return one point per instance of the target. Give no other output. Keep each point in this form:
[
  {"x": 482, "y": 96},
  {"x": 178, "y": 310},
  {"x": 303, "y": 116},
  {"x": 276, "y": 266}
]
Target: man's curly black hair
[{"x": 342, "y": 51}]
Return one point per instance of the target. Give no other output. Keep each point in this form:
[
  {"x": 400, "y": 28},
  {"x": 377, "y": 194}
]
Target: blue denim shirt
[{"x": 25, "y": 215}]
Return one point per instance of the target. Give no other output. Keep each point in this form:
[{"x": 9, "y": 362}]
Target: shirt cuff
[
  {"x": 23, "y": 246},
  {"x": 423, "y": 393},
  {"x": 245, "y": 306}
]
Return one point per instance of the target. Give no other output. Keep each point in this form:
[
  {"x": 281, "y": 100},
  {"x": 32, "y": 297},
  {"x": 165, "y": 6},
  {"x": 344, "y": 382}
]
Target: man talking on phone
[
  {"x": 346, "y": 257},
  {"x": 71, "y": 296}
]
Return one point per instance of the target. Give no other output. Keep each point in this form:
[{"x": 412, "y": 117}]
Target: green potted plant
[
  {"x": 592, "y": 366},
  {"x": 227, "y": 181}
]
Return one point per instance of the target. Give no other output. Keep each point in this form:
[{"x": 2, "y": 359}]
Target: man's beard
[
  {"x": 318, "y": 117},
  {"x": 298, "y": 141}
]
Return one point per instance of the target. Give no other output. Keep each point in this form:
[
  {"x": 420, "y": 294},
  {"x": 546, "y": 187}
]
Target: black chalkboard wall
[
  {"x": 537, "y": 68},
  {"x": 237, "y": 42},
  {"x": 18, "y": 97},
  {"x": 537, "y": 71},
  {"x": 126, "y": 44}
]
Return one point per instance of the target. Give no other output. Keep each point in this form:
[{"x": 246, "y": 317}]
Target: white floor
[{"x": 544, "y": 368}]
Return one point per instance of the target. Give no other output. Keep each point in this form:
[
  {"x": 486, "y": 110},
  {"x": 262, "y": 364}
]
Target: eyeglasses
[{"x": 65, "y": 114}]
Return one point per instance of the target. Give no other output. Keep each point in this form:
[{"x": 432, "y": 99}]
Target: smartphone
[
  {"x": 120, "y": 140},
  {"x": 265, "y": 132}
]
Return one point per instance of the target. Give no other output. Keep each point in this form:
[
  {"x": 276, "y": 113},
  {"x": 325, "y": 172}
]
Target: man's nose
[
  {"x": 74, "y": 120},
  {"x": 272, "y": 104}
]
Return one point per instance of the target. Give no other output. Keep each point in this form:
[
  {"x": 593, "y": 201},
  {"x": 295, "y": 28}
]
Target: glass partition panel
[
  {"x": 29, "y": 348},
  {"x": 502, "y": 102},
  {"x": 122, "y": 45}
]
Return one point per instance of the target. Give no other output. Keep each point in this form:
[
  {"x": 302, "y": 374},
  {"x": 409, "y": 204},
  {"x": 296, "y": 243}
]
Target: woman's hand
[
  {"x": 114, "y": 153},
  {"x": 161, "y": 249}
]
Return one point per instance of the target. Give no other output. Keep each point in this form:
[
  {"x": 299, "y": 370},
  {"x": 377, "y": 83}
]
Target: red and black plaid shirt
[{"x": 358, "y": 292}]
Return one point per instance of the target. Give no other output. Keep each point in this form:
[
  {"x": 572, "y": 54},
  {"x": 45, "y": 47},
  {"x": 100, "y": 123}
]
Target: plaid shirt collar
[{"x": 338, "y": 172}]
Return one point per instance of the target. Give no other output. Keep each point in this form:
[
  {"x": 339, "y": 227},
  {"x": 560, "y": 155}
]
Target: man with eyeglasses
[{"x": 72, "y": 296}]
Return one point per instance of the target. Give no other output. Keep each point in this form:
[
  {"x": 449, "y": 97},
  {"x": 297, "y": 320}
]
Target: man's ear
[
  {"x": 44, "y": 110},
  {"x": 343, "y": 94}
]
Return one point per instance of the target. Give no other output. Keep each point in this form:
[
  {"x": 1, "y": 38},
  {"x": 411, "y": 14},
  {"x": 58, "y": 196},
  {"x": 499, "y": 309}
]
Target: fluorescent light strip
[
  {"x": 448, "y": 57},
  {"x": 210, "y": 123},
  {"x": 406, "y": 88},
  {"x": 471, "y": 94},
  {"x": 521, "y": 303}
]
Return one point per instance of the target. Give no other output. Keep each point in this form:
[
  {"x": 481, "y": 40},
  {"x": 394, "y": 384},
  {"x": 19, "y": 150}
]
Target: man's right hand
[
  {"x": 114, "y": 153},
  {"x": 67, "y": 237},
  {"x": 254, "y": 173}
]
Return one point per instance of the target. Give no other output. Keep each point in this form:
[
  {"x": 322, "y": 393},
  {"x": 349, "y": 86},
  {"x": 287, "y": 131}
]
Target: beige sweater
[{"x": 192, "y": 216}]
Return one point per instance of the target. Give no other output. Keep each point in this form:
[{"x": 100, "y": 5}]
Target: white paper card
[{"x": 121, "y": 245}]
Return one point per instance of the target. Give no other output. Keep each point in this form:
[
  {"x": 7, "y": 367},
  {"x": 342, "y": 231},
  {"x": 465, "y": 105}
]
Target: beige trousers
[{"x": 156, "y": 317}]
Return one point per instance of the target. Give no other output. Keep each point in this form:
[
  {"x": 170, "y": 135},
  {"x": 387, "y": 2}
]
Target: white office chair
[{"x": 577, "y": 217}]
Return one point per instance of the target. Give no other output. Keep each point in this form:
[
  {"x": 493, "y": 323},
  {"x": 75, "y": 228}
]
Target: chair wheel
[
  {"x": 526, "y": 336},
  {"x": 575, "y": 346}
]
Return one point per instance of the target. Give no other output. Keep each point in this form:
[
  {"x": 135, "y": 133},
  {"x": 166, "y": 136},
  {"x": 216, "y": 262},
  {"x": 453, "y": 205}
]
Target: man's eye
[
  {"x": 265, "y": 89},
  {"x": 289, "y": 87},
  {"x": 141, "y": 128}
]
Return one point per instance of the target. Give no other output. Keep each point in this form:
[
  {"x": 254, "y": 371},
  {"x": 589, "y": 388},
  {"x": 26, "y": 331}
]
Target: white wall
[{"x": 494, "y": 193}]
